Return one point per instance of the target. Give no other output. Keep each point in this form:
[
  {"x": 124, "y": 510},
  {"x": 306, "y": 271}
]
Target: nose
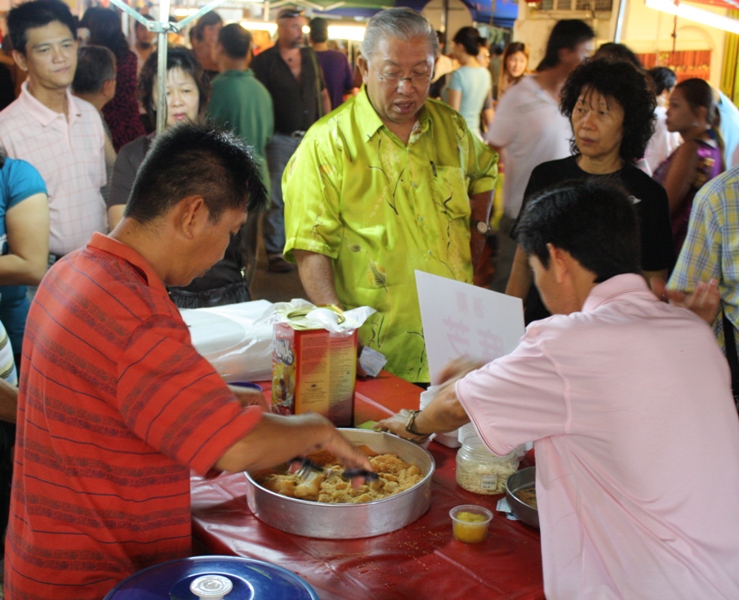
[
  {"x": 58, "y": 54},
  {"x": 402, "y": 83},
  {"x": 587, "y": 120},
  {"x": 176, "y": 99}
]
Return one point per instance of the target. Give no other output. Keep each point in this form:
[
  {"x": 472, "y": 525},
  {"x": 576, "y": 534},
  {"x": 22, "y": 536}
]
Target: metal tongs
[{"x": 307, "y": 466}]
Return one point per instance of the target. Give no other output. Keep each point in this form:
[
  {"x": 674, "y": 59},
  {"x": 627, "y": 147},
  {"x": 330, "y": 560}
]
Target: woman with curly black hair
[{"x": 611, "y": 109}]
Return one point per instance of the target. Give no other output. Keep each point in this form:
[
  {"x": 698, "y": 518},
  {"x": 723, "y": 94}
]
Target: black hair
[
  {"x": 105, "y": 30},
  {"x": 318, "y": 30},
  {"x": 236, "y": 40},
  {"x": 616, "y": 51},
  {"x": 196, "y": 159},
  {"x": 3, "y": 156},
  {"x": 37, "y": 13},
  {"x": 177, "y": 57},
  {"x": 619, "y": 82},
  {"x": 95, "y": 66},
  {"x": 662, "y": 79},
  {"x": 593, "y": 220},
  {"x": 698, "y": 93},
  {"x": 209, "y": 18},
  {"x": 470, "y": 39},
  {"x": 567, "y": 34}
]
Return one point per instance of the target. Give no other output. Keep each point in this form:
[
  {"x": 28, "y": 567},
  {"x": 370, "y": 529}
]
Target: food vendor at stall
[
  {"x": 115, "y": 404},
  {"x": 629, "y": 404}
]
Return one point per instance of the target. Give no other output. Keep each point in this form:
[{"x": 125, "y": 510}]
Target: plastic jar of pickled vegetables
[{"x": 482, "y": 472}]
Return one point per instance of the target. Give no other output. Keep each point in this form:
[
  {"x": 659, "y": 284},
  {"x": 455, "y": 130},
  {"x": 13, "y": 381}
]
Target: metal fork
[{"x": 308, "y": 466}]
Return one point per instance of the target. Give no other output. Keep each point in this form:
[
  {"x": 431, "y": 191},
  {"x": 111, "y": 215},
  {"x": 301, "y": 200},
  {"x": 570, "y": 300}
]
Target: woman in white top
[{"x": 469, "y": 90}]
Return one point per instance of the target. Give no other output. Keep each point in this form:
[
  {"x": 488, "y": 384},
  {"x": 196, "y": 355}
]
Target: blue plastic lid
[{"x": 251, "y": 579}]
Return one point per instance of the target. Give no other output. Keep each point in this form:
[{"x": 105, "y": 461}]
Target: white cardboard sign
[{"x": 462, "y": 319}]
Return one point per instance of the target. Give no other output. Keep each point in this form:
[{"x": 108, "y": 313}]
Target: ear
[
  {"x": 559, "y": 263},
  {"x": 20, "y": 60},
  {"x": 109, "y": 88},
  {"x": 363, "y": 67},
  {"x": 701, "y": 112},
  {"x": 191, "y": 216}
]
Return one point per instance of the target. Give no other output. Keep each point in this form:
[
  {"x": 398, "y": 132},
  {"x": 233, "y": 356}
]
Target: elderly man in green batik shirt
[{"x": 389, "y": 183}]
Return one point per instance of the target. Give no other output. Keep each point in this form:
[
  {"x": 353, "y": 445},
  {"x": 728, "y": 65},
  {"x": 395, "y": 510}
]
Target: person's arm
[
  {"x": 680, "y": 175},
  {"x": 655, "y": 275},
  {"x": 325, "y": 102},
  {"x": 694, "y": 281},
  {"x": 317, "y": 277},
  {"x": 444, "y": 413},
  {"x": 488, "y": 112},
  {"x": 8, "y": 402},
  {"x": 454, "y": 99},
  {"x": 126, "y": 165},
  {"x": 277, "y": 439},
  {"x": 27, "y": 224},
  {"x": 521, "y": 278},
  {"x": 705, "y": 301}
]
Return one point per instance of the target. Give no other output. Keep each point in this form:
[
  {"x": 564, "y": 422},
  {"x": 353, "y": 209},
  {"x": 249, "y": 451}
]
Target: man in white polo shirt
[
  {"x": 62, "y": 136},
  {"x": 528, "y": 128}
]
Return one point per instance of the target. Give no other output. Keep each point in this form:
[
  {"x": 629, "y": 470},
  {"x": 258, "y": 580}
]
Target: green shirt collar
[{"x": 371, "y": 122}]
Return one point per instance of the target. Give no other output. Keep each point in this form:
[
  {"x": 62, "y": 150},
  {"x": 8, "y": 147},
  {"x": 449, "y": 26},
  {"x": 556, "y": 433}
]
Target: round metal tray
[
  {"x": 350, "y": 521},
  {"x": 522, "y": 479}
]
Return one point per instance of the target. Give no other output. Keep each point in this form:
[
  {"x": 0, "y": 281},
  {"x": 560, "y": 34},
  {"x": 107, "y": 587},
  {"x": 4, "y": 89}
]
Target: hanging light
[{"x": 698, "y": 15}]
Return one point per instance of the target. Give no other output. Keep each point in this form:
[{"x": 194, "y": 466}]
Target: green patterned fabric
[{"x": 381, "y": 210}]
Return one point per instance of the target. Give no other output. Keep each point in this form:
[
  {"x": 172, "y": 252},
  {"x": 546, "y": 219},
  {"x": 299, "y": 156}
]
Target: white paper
[
  {"x": 372, "y": 361},
  {"x": 460, "y": 319}
]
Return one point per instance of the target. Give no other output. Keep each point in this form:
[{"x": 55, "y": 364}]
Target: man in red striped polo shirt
[{"x": 115, "y": 404}]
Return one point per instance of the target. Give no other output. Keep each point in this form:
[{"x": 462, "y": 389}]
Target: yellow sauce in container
[{"x": 470, "y": 523}]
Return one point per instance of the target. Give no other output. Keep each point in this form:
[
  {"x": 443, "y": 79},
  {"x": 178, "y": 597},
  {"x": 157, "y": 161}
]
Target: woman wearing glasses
[{"x": 469, "y": 90}]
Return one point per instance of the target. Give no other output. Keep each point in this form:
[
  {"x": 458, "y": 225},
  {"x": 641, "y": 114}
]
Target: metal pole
[
  {"x": 620, "y": 21},
  {"x": 444, "y": 21},
  {"x": 162, "y": 28}
]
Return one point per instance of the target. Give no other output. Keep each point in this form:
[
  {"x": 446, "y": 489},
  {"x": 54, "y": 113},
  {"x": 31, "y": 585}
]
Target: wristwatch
[
  {"x": 410, "y": 422},
  {"x": 481, "y": 227}
]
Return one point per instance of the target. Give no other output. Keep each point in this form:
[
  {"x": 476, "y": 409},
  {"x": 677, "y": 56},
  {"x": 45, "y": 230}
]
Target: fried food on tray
[
  {"x": 527, "y": 496},
  {"x": 395, "y": 476}
]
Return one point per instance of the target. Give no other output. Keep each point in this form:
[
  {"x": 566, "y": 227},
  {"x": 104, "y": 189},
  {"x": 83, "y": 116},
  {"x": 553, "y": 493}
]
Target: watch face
[{"x": 481, "y": 227}]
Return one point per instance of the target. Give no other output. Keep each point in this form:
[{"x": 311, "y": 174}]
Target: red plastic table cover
[{"x": 421, "y": 561}]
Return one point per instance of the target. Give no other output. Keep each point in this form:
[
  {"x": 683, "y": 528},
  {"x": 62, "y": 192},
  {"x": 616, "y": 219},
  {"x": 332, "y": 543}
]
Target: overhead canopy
[
  {"x": 502, "y": 13},
  {"x": 719, "y": 3}
]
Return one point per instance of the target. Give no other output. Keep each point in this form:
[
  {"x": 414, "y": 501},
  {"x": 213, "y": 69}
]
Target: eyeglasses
[{"x": 394, "y": 80}]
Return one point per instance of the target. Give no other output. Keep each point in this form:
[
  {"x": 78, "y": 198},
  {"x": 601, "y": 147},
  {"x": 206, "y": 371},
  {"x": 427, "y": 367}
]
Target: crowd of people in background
[{"x": 75, "y": 134}]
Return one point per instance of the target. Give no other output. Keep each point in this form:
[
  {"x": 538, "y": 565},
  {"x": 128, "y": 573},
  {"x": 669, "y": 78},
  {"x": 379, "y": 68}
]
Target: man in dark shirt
[
  {"x": 291, "y": 74},
  {"x": 337, "y": 73}
]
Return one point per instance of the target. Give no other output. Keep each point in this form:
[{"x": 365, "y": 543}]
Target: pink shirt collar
[
  {"x": 603, "y": 293},
  {"x": 44, "y": 114},
  {"x": 107, "y": 244}
]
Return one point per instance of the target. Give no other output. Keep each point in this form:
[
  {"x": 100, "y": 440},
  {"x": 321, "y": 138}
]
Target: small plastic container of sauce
[{"x": 470, "y": 522}]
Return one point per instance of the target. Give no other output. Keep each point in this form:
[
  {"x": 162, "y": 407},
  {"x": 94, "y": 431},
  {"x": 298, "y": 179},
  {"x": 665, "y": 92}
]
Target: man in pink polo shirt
[
  {"x": 62, "y": 136},
  {"x": 629, "y": 404}
]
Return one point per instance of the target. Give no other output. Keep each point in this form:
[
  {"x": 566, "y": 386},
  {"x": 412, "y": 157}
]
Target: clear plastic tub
[
  {"x": 482, "y": 472},
  {"x": 470, "y": 523}
]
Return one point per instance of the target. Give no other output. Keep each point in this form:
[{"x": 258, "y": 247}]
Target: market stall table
[{"x": 420, "y": 561}]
